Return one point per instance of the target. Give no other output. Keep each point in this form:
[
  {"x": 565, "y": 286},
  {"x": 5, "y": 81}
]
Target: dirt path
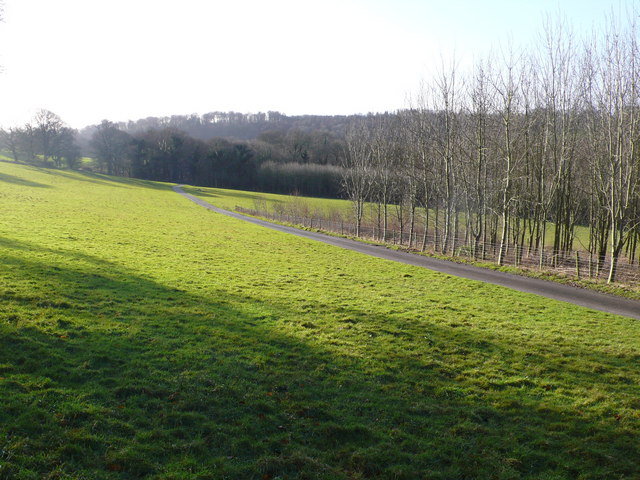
[{"x": 556, "y": 291}]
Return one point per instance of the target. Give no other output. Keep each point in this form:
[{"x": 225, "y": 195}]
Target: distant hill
[{"x": 236, "y": 126}]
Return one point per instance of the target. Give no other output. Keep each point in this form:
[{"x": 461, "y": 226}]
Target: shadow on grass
[
  {"x": 13, "y": 244},
  {"x": 111, "y": 374},
  {"x": 83, "y": 176},
  {"x": 101, "y": 179},
  {"x": 129, "y": 181},
  {"x": 231, "y": 194},
  {"x": 5, "y": 177}
]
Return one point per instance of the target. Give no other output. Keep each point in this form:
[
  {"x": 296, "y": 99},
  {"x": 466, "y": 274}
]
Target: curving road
[{"x": 565, "y": 293}]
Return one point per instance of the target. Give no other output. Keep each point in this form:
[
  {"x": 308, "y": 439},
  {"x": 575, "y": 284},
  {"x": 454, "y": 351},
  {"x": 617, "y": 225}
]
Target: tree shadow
[
  {"x": 101, "y": 179},
  {"x": 13, "y": 244},
  {"x": 5, "y": 177},
  {"x": 230, "y": 194},
  {"x": 75, "y": 175},
  {"x": 129, "y": 181},
  {"x": 108, "y": 373}
]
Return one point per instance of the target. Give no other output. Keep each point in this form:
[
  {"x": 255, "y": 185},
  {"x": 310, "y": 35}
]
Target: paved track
[{"x": 556, "y": 291}]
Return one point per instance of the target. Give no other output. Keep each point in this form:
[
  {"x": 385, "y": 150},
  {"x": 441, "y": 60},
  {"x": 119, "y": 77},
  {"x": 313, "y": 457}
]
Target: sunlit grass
[
  {"x": 335, "y": 208},
  {"x": 144, "y": 336}
]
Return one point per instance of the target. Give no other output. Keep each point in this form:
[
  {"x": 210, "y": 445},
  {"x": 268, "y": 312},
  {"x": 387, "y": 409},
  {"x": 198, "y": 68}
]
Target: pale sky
[{"x": 88, "y": 60}]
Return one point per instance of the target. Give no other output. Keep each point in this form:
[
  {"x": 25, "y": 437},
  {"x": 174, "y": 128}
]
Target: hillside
[
  {"x": 144, "y": 337},
  {"x": 234, "y": 125}
]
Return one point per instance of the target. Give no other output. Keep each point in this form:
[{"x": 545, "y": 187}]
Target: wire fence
[{"x": 575, "y": 263}]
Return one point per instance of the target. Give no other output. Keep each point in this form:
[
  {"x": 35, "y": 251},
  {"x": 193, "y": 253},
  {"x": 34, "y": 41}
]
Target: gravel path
[{"x": 578, "y": 296}]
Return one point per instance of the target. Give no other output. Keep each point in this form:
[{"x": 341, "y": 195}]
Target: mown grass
[{"x": 144, "y": 337}]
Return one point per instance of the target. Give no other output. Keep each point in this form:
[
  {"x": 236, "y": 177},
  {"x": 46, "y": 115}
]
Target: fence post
[{"x": 578, "y": 264}]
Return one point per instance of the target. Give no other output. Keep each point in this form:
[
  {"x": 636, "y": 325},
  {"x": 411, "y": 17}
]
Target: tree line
[
  {"x": 523, "y": 140},
  {"x": 233, "y": 125},
  {"x": 307, "y": 163},
  {"x": 46, "y": 139},
  {"x": 281, "y": 161}
]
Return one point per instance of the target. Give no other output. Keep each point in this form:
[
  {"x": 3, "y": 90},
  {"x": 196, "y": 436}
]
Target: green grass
[
  {"x": 230, "y": 199},
  {"x": 87, "y": 162},
  {"x": 328, "y": 208},
  {"x": 142, "y": 336},
  {"x": 261, "y": 202}
]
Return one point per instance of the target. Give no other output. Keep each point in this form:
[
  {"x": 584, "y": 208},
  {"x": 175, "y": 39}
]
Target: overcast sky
[{"x": 88, "y": 60}]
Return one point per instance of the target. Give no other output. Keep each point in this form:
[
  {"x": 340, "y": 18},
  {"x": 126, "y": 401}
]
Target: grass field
[
  {"x": 230, "y": 199},
  {"x": 331, "y": 208},
  {"x": 142, "y": 336}
]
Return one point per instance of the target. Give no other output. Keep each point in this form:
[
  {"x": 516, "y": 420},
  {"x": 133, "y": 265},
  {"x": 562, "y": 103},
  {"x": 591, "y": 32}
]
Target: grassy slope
[
  {"x": 230, "y": 199},
  {"x": 142, "y": 336}
]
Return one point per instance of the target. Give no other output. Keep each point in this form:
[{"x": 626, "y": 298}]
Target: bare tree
[
  {"x": 446, "y": 135},
  {"x": 46, "y": 126},
  {"x": 558, "y": 99},
  {"x": 619, "y": 173},
  {"x": 111, "y": 147},
  {"x": 476, "y": 131},
  {"x": 386, "y": 161},
  {"x": 410, "y": 171},
  {"x": 65, "y": 151},
  {"x": 358, "y": 176},
  {"x": 507, "y": 86},
  {"x": 12, "y": 139}
]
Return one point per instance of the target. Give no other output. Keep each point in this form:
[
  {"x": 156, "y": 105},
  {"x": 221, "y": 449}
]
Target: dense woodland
[
  {"x": 267, "y": 152},
  {"x": 235, "y": 125}
]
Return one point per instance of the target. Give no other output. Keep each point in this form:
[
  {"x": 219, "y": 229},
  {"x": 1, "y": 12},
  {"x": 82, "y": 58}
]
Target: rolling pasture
[{"x": 142, "y": 336}]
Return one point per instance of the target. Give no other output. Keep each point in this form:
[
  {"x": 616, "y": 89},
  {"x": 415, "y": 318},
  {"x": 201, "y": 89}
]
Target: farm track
[{"x": 556, "y": 291}]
